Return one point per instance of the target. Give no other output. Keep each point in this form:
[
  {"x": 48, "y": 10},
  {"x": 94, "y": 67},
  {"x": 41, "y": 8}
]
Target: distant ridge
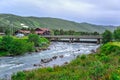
[{"x": 52, "y": 23}]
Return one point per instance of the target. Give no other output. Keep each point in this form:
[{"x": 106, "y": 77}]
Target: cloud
[{"x": 94, "y": 11}]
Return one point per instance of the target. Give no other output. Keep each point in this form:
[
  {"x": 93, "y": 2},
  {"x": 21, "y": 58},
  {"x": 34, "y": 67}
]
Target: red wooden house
[
  {"x": 42, "y": 31},
  {"x": 23, "y": 32}
]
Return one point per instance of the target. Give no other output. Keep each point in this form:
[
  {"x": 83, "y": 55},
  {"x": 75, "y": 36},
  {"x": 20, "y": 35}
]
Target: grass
[
  {"x": 116, "y": 43},
  {"x": 86, "y": 67}
]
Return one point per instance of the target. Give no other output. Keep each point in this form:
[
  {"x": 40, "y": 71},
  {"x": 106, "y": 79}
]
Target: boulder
[
  {"x": 46, "y": 60},
  {"x": 61, "y": 56}
]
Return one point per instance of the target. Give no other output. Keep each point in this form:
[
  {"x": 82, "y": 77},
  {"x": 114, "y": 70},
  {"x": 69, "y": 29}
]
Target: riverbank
[
  {"x": 65, "y": 52},
  {"x": 14, "y": 46},
  {"x": 99, "y": 66}
]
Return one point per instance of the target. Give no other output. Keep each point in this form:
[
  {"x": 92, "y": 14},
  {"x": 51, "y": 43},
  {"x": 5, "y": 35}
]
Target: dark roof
[
  {"x": 43, "y": 29},
  {"x": 24, "y": 31}
]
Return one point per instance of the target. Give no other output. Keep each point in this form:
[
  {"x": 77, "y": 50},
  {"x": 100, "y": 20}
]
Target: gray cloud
[{"x": 94, "y": 11}]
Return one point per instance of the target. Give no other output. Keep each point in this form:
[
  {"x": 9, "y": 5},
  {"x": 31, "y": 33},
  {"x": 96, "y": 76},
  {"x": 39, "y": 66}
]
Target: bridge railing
[{"x": 74, "y": 36}]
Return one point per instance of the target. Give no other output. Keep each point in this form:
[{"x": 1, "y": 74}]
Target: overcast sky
[{"x": 103, "y": 12}]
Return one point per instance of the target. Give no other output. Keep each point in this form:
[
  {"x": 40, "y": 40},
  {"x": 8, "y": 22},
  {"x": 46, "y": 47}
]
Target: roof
[
  {"x": 24, "y": 31},
  {"x": 39, "y": 32},
  {"x": 43, "y": 29}
]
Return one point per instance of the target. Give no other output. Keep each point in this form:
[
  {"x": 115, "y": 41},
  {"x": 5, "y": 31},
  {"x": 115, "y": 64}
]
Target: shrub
[
  {"x": 34, "y": 38},
  {"x": 30, "y": 46},
  {"x": 18, "y": 47},
  {"x": 109, "y": 48},
  {"x": 115, "y": 76},
  {"x": 15, "y": 46},
  {"x": 97, "y": 70},
  {"x": 21, "y": 76},
  {"x": 49, "y": 69},
  {"x": 105, "y": 59},
  {"x": 117, "y": 34},
  {"x": 107, "y": 37},
  {"x": 30, "y": 76},
  {"x": 6, "y": 43},
  {"x": 83, "y": 56}
]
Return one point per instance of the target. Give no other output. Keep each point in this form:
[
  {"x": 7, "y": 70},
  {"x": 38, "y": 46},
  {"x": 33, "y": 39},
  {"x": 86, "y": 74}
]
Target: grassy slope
[
  {"x": 52, "y": 23},
  {"x": 90, "y": 67}
]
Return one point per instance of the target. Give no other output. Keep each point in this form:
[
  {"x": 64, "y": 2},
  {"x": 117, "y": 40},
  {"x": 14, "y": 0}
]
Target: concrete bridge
[{"x": 74, "y": 38}]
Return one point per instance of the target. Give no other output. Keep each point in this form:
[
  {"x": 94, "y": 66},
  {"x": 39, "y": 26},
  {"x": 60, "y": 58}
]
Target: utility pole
[{"x": 11, "y": 27}]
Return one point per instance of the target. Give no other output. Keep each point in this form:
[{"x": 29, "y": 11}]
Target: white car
[{"x": 20, "y": 35}]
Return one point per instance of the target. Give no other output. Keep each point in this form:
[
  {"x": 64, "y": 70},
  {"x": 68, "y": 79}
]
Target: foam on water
[{"x": 9, "y": 65}]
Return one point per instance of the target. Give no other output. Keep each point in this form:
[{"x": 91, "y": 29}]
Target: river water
[{"x": 69, "y": 51}]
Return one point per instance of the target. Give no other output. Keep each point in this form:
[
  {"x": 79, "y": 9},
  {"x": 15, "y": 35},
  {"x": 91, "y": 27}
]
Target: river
[{"x": 69, "y": 51}]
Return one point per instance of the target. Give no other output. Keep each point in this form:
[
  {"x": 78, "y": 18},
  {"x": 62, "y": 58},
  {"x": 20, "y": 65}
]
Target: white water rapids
[{"x": 10, "y": 65}]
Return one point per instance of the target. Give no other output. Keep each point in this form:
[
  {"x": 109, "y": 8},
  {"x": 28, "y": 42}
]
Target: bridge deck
[{"x": 72, "y": 36}]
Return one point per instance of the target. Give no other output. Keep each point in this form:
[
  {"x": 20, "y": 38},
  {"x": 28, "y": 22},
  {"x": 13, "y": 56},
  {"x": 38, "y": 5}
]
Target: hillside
[{"x": 52, "y": 23}]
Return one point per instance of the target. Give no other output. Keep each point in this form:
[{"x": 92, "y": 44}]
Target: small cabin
[{"x": 25, "y": 32}]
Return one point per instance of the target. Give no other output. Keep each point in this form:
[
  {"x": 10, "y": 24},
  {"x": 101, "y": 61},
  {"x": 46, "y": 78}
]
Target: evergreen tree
[
  {"x": 107, "y": 36},
  {"x": 117, "y": 34}
]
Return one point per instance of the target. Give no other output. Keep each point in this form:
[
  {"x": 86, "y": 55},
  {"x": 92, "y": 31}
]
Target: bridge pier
[
  {"x": 77, "y": 39},
  {"x": 71, "y": 40},
  {"x": 56, "y": 39},
  {"x": 98, "y": 41}
]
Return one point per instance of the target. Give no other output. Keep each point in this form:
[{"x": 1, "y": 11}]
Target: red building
[
  {"x": 23, "y": 32},
  {"x": 42, "y": 31}
]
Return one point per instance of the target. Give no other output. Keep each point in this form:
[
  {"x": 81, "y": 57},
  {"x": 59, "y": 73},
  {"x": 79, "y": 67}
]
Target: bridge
[{"x": 74, "y": 38}]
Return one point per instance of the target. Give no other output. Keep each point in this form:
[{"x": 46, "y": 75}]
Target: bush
[
  {"x": 19, "y": 47},
  {"x": 49, "y": 69},
  {"x": 105, "y": 59},
  {"x": 115, "y": 76},
  {"x": 109, "y": 48},
  {"x": 34, "y": 38},
  {"x": 21, "y": 76},
  {"x": 15, "y": 46},
  {"x": 30, "y": 46},
  {"x": 83, "y": 56},
  {"x": 6, "y": 43},
  {"x": 117, "y": 34},
  {"x": 107, "y": 37},
  {"x": 97, "y": 70}
]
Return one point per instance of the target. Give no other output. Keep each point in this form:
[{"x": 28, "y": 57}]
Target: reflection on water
[{"x": 9, "y": 65}]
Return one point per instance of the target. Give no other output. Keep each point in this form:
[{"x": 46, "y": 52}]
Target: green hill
[{"x": 53, "y": 23}]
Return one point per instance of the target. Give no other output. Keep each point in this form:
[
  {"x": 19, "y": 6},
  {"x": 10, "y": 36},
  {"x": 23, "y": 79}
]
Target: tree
[
  {"x": 95, "y": 33},
  {"x": 107, "y": 36},
  {"x": 56, "y": 32},
  {"x": 7, "y": 31},
  {"x": 116, "y": 34},
  {"x": 71, "y": 32},
  {"x": 61, "y": 32},
  {"x": 34, "y": 38},
  {"x": 6, "y": 43}
]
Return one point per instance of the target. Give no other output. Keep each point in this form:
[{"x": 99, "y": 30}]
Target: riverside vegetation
[
  {"x": 104, "y": 65},
  {"x": 13, "y": 46}
]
